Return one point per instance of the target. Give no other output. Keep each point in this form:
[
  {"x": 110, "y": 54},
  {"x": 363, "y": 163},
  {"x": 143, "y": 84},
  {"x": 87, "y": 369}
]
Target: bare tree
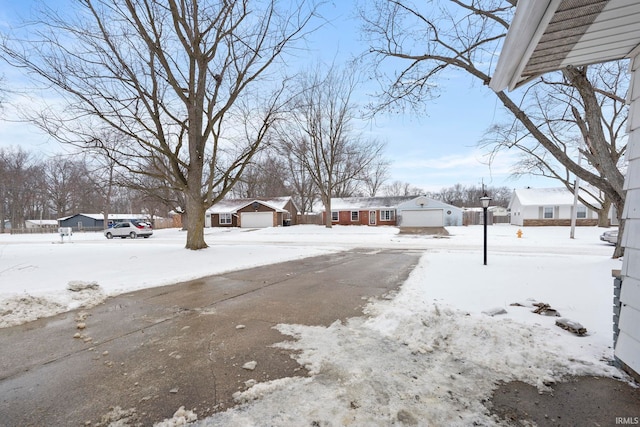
[
  {"x": 4, "y": 191},
  {"x": 67, "y": 184},
  {"x": 304, "y": 189},
  {"x": 19, "y": 184},
  {"x": 555, "y": 103},
  {"x": 469, "y": 196},
  {"x": 399, "y": 188},
  {"x": 375, "y": 177},
  {"x": 265, "y": 177},
  {"x": 320, "y": 135},
  {"x": 449, "y": 36},
  {"x": 187, "y": 82}
]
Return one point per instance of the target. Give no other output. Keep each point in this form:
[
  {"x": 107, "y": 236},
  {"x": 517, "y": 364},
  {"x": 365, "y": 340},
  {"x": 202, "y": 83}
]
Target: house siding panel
[
  {"x": 628, "y": 351},
  {"x": 631, "y": 263},
  {"x": 633, "y": 147},
  {"x": 631, "y": 237},
  {"x": 630, "y": 290},
  {"x": 630, "y": 322},
  {"x": 628, "y": 345},
  {"x": 633, "y": 173}
]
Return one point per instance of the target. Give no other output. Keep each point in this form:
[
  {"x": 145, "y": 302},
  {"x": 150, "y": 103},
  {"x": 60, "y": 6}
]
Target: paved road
[{"x": 152, "y": 351}]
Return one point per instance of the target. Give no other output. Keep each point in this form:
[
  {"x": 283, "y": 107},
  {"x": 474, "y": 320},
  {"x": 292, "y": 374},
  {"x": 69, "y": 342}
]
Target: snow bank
[
  {"x": 418, "y": 362},
  {"x": 428, "y": 356}
]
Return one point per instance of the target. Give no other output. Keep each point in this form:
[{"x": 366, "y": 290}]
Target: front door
[{"x": 372, "y": 217}]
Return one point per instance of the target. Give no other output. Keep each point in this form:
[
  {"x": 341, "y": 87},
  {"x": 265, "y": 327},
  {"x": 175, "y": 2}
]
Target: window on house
[
  {"x": 581, "y": 212},
  {"x": 225, "y": 218},
  {"x": 334, "y": 216},
  {"x": 355, "y": 215},
  {"x": 388, "y": 215},
  {"x": 548, "y": 212}
]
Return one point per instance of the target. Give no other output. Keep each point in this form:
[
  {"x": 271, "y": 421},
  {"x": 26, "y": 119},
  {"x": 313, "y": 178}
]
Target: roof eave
[{"x": 529, "y": 23}]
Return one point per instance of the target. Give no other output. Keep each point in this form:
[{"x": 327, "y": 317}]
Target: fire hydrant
[{"x": 519, "y": 233}]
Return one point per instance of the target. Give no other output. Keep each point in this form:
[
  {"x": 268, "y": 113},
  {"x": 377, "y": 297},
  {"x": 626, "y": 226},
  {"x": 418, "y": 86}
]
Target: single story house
[
  {"x": 252, "y": 213},
  {"x": 402, "y": 211},
  {"x": 94, "y": 222},
  {"x": 550, "y": 206},
  {"x": 548, "y": 35},
  {"x": 41, "y": 223}
]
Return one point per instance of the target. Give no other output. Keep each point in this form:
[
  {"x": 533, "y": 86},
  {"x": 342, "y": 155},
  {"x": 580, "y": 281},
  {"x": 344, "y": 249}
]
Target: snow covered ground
[{"x": 429, "y": 356}]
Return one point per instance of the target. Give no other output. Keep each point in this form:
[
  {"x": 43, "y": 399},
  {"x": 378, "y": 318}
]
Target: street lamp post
[{"x": 485, "y": 204}]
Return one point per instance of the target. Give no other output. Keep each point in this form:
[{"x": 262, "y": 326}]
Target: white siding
[
  {"x": 628, "y": 345},
  {"x": 530, "y": 212}
]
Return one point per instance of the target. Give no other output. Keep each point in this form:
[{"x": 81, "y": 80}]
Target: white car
[
  {"x": 610, "y": 236},
  {"x": 131, "y": 229}
]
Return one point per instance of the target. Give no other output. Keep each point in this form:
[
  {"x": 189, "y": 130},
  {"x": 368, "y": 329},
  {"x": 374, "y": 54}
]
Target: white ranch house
[{"x": 550, "y": 206}]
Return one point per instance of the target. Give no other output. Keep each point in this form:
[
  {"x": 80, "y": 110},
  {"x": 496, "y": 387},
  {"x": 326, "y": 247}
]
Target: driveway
[{"x": 140, "y": 356}]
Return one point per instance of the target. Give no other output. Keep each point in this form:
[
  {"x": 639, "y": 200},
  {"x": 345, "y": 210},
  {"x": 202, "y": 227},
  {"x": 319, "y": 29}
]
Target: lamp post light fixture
[{"x": 485, "y": 204}]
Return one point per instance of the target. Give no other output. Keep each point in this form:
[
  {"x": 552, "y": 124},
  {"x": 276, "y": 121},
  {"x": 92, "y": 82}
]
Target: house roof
[
  {"x": 99, "y": 216},
  {"x": 558, "y": 196},
  {"x": 43, "y": 221},
  {"x": 233, "y": 205},
  {"x": 548, "y": 35},
  {"x": 358, "y": 203}
]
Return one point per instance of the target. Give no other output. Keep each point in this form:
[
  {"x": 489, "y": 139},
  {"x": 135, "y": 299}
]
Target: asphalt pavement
[{"x": 140, "y": 356}]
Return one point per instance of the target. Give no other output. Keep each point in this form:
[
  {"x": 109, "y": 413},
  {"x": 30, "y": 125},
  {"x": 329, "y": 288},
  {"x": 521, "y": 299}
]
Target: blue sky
[
  {"x": 435, "y": 150},
  {"x": 440, "y": 147}
]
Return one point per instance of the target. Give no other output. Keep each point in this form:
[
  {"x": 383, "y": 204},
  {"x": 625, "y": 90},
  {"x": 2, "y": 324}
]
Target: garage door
[
  {"x": 256, "y": 219},
  {"x": 423, "y": 218}
]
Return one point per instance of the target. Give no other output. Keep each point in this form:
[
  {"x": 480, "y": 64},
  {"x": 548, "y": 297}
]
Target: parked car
[
  {"x": 610, "y": 236},
  {"x": 131, "y": 229}
]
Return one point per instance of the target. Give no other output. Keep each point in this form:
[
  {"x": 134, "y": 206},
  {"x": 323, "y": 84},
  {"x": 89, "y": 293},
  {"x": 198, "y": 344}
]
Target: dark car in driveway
[{"x": 132, "y": 229}]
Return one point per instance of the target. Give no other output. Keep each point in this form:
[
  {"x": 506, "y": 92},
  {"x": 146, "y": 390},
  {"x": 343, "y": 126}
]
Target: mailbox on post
[{"x": 64, "y": 231}]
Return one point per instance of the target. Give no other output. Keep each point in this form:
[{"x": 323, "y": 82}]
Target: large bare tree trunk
[
  {"x": 603, "y": 214},
  {"x": 328, "y": 222},
  {"x": 195, "y": 224}
]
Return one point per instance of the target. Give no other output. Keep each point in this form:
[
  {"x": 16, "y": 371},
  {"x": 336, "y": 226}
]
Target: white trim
[
  {"x": 529, "y": 24},
  {"x": 227, "y": 216}
]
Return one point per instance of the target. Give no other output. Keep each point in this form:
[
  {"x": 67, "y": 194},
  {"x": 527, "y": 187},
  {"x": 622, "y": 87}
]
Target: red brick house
[
  {"x": 364, "y": 210},
  {"x": 252, "y": 213},
  {"x": 402, "y": 211}
]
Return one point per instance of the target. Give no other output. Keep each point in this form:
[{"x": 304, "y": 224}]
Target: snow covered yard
[{"x": 427, "y": 356}]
